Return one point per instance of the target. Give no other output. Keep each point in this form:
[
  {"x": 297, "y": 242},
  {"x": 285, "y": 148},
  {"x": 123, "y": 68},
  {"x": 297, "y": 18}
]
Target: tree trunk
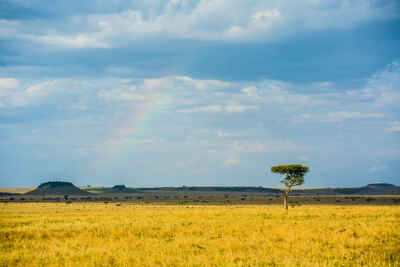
[{"x": 285, "y": 199}]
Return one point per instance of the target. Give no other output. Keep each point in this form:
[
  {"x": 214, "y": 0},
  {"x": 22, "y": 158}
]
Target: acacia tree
[{"x": 294, "y": 175}]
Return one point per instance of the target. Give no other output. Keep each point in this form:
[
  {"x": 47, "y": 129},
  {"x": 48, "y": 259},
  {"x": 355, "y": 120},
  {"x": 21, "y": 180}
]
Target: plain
[{"x": 128, "y": 234}]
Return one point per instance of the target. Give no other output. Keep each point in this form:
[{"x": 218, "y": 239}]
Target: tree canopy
[{"x": 294, "y": 174}]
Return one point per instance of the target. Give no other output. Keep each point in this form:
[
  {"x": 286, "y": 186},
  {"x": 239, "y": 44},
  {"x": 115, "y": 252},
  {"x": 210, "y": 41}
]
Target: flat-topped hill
[
  {"x": 57, "y": 188},
  {"x": 120, "y": 189}
]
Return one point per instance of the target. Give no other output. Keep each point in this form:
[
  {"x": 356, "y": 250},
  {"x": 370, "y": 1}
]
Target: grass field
[
  {"x": 114, "y": 234},
  {"x": 19, "y": 190}
]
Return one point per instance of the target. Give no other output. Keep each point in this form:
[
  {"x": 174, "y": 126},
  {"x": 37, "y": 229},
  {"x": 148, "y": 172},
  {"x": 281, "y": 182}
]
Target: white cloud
[
  {"x": 229, "y": 108},
  {"x": 232, "y": 160},
  {"x": 337, "y": 116},
  {"x": 41, "y": 88},
  {"x": 215, "y": 108},
  {"x": 233, "y": 108},
  {"x": 51, "y": 92},
  {"x": 229, "y": 134},
  {"x": 231, "y": 20},
  {"x": 188, "y": 95},
  {"x": 250, "y": 91},
  {"x": 304, "y": 158},
  {"x": 234, "y": 151},
  {"x": 8, "y": 83},
  {"x": 394, "y": 126},
  {"x": 81, "y": 40},
  {"x": 345, "y": 115},
  {"x": 153, "y": 140},
  {"x": 185, "y": 94},
  {"x": 8, "y": 88},
  {"x": 378, "y": 99},
  {"x": 181, "y": 90},
  {"x": 262, "y": 20},
  {"x": 266, "y": 15},
  {"x": 123, "y": 93},
  {"x": 378, "y": 168},
  {"x": 322, "y": 85},
  {"x": 9, "y": 28},
  {"x": 266, "y": 146},
  {"x": 203, "y": 84},
  {"x": 79, "y": 106},
  {"x": 386, "y": 98},
  {"x": 382, "y": 87}
]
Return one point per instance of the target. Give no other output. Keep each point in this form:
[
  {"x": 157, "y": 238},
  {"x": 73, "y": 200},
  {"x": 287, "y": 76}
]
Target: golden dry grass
[
  {"x": 98, "y": 234},
  {"x": 18, "y": 190}
]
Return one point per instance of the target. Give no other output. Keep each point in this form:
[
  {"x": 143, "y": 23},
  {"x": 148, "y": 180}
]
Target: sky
[{"x": 199, "y": 92}]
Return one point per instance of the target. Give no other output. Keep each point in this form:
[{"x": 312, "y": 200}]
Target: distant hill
[
  {"x": 57, "y": 188},
  {"x": 120, "y": 189},
  {"x": 370, "y": 189},
  {"x": 240, "y": 189},
  {"x": 67, "y": 188},
  {"x": 380, "y": 185},
  {"x": 6, "y": 194}
]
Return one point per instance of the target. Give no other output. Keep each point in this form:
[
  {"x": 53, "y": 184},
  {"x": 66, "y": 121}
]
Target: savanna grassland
[{"x": 127, "y": 234}]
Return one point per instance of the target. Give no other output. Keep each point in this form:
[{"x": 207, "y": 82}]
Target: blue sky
[{"x": 186, "y": 92}]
